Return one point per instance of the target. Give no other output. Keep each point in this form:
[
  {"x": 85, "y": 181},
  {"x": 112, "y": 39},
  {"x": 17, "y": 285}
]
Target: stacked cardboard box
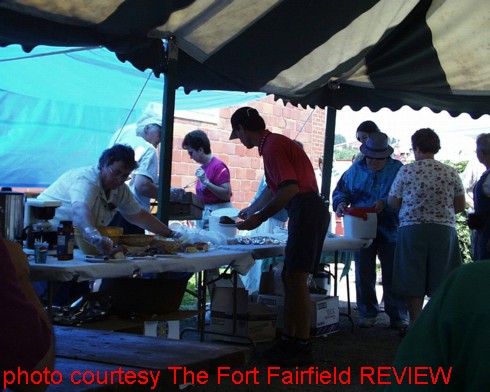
[
  {"x": 242, "y": 318},
  {"x": 324, "y": 317}
]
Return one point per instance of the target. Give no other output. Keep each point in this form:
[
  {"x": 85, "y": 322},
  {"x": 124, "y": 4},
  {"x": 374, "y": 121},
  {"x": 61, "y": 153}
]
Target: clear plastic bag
[{"x": 198, "y": 235}]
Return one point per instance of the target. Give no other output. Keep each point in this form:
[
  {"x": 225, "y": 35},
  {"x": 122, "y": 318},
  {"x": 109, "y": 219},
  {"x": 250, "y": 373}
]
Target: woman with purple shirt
[{"x": 213, "y": 186}]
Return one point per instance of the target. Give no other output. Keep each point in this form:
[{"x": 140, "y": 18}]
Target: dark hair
[
  {"x": 483, "y": 143},
  {"x": 426, "y": 140},
  {"x": 367, "y": 127},
  {"x": 197, "y": 139},
  {"x": 118, "y": 152},
  {"x": 249, "y": 118}
]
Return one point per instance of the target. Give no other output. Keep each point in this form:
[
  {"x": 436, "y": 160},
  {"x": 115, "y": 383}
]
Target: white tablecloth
[
  {"x": 242, "y": 256},
  {"x": 330, "y": 244},
  {"x": 79, "y": 269}
]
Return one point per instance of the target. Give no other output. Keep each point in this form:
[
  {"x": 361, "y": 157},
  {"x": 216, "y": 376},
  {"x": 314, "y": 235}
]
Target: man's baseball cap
[{"x": 249, "y": 118}]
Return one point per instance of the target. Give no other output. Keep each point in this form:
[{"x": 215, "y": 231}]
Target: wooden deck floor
[{"x": 125, "y": 361}]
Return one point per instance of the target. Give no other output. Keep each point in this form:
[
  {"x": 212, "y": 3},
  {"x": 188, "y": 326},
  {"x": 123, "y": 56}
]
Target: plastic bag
[{"x": 191, "y": 236}]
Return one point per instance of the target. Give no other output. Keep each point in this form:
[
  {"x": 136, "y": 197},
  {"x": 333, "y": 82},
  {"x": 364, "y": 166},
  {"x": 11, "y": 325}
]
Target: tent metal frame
[{"x": 168, "y": 116}]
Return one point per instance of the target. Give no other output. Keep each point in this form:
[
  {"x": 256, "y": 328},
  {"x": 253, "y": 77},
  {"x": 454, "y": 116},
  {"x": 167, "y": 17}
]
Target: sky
[{"x": 457, "y": 134}]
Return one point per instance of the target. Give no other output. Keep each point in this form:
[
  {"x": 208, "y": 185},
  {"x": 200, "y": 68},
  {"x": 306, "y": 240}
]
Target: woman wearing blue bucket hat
[{"x": 366, "y": 184}]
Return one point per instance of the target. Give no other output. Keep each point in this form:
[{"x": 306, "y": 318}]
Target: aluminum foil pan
[{"x": 258, "y": 240}]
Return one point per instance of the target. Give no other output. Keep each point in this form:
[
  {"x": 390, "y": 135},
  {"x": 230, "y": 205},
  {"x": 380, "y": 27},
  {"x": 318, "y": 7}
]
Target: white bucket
[
  {"x": 355, "y": 227},
  {"x": 227, "y": 230}
]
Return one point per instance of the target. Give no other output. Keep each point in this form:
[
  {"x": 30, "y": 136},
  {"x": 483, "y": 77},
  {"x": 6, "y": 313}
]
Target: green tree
[
  {"x": 462, "y": 228},
  {"x": 339, "y": 139},
  {"x": 345, "y": 153}
]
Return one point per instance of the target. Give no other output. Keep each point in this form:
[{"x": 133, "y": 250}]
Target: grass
[{"x": 189, "y": 301}]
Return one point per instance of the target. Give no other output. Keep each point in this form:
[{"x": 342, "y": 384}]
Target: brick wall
[{"x": 304, "y": 125}]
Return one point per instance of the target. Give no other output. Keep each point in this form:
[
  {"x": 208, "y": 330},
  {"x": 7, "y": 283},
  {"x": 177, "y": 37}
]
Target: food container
[
  {"x": 136, "y": 239},
  {"x": 166, "y": 245},
  {"x": 360, "y": 222},
  {"x": 228, "y": 230}
]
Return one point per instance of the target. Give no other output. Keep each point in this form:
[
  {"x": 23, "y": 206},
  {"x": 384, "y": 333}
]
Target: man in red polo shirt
[{"x": 292, "y": 185}]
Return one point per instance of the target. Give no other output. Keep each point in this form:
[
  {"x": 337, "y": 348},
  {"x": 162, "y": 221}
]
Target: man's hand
[
  {"x": 246, "y": 213},
  {"x": 252, "y": 222},
  {"x": 174, "y": 234},
  {"x": 379, "y": 205},
  {"x": 341, "y": 209},
  {"x": 102, "y": 243}
]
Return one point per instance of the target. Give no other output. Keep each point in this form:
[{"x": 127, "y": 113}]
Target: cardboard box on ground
[
  {"x": 162, "y": 326},
  {"x": 167, "y": 326},
  {"x": 252, "y": 320},
  {"x": 325, "y": 309},
  {"x": 324, "y": 316},
  {"x": 271, "y": 281},
  {"x": 259, "y": 321},
  {"x": 153, "y": 303}
]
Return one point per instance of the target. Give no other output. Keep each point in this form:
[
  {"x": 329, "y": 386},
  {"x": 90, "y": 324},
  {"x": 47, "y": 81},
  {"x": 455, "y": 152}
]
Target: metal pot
[{"x": 12, "y": 215}]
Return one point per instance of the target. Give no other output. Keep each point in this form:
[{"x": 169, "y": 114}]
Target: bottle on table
[{"x": 66, "y": 241}]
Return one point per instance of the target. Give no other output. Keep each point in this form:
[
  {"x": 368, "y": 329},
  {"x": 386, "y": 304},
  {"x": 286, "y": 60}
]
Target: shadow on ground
[{"x": 351, "y": 356}]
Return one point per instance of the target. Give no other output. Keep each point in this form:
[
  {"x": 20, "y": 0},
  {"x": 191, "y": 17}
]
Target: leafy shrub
[
  {"x": 345, "y": 153},
  {"x": 464, "y": 233}
]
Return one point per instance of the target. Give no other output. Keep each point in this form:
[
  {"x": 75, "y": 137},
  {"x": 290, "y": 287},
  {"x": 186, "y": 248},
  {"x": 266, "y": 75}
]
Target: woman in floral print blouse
[{"x": 428, "y": 195}]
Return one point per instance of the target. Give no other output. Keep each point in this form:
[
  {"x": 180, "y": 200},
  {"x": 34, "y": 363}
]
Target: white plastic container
[
  {"x": 229, "y": 231},
  {"x": 360, "y": 223}
]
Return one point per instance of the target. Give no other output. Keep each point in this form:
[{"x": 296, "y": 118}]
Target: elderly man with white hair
[{"x": 144, "y": 136}]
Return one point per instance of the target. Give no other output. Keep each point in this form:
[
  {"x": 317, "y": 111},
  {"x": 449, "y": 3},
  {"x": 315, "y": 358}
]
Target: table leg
[
  {"x": 49, "y": 305},
  {"x": 235, "y": 306},
  {"x": 201, "y": 303},
  {"x": 201, "y": 287},
  {"x": 349, "y": 311}
]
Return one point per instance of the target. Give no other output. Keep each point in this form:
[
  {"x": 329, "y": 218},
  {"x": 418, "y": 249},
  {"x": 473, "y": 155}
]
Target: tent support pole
[
  {"x": 328, "y": 146},
  {"x": 166, "y": 145}
]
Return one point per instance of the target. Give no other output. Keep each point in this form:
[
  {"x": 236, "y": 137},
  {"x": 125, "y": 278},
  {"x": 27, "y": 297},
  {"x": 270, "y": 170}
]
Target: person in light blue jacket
[{"x": 366, "y": 184}]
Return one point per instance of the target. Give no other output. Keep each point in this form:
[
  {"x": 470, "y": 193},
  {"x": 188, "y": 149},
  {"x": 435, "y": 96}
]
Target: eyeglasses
[
  {"x": 118, "y": 175},
  {"x": 376, "y": 159}
]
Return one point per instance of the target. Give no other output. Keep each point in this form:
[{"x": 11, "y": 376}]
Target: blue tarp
[{"x": 60, "y": 107}]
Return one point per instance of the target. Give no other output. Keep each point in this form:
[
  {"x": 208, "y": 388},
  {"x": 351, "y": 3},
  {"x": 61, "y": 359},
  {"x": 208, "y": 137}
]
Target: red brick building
[{"x": 304, "y": 125}]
